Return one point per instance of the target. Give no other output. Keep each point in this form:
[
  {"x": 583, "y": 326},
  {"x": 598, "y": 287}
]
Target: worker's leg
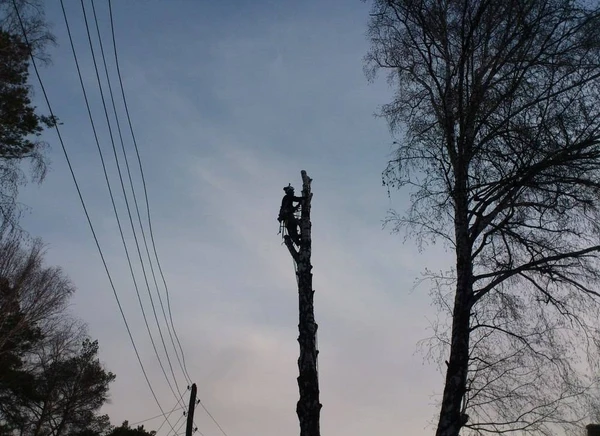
[{"x": 292, "y": 226}]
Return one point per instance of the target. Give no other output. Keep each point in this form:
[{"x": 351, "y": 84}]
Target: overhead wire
[
  {"x": 176, "y": 432},
  {"x": 175, "y": 408},
  {"x": 122, "y": 184},
  {"x": 112, "y": 198},
  {"x": 148, "y": 207},
  {"x": 135, "y": 201},
  {"x": 157, "y": 416},
  {"x": 213, "y": 419},
  {"x": 182, "y": 361},
  {"x": 80, "y": 195},
  {"x": 173, "y": 426}
]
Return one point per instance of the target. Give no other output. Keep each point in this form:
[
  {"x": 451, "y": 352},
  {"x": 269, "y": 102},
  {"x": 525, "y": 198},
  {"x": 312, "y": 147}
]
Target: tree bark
[
  {"x": 308, "y": 407},
  {"x": 451, "y": 418}
]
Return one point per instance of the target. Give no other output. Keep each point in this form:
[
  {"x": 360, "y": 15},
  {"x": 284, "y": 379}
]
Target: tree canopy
[
  {"x": 51, "y": 381},
  {"x": 496, "y": 108},
  {"x": 20, "y": 122}
]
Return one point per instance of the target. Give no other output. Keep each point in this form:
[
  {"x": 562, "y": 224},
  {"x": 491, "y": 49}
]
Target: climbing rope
[{"x": 284, "y": 232}]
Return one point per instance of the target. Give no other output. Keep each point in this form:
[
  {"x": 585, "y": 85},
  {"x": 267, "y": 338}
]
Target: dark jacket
[{"x": 287, "y": 206}]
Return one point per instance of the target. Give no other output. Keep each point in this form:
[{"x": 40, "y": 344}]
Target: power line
[
  {"x": 139, "y": 218},
  {"x": 213, "y": 419},
  {"x": 176, "y": 433},
  {"x": 172, "y": 426},
  {"x": 168, "y": 415},
  {"x": 37, "y": 73},
  {"x": 157, "y": 416},
  {"x": 110, "y": 189},
  {"x": 184, "y": 367},
  {"x": 126, "y": 202}
]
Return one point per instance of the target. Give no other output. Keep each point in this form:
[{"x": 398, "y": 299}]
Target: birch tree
[
  {"x": 21, "y": 124},
  {"x": 496, "y": 112}
]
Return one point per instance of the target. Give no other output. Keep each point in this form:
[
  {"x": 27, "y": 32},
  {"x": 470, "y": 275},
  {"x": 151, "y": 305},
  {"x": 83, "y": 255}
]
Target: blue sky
[{"x": 229, "y": 101}]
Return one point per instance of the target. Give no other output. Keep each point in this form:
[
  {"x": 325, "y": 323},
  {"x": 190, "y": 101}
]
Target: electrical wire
[
  {"x": 176, "y": 433},
  {"x": 112, "y": 198},
  {"x": 183, "y": 365},
  {"x": 184, "y": 414},
  {"x": 79, "y": 193},
  {"x": 184, "y": 368},
  {"x": 173, "y": 426},
  {"x": 157, "y": 416},
  {"x": 213, "y": 419},
  {"x": 168, "y": 415},
  {"x": 127, "y": 206},
  {"x": 137, "y": 209}
]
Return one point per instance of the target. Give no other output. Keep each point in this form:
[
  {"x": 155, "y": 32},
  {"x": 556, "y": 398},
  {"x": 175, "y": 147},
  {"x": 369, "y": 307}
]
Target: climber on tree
[{"x": 286, "y": 213}]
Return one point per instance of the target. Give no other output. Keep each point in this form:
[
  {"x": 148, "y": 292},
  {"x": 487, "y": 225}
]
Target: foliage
[
  {"x": 125, "y": 430},
  {"x": 70, "y": 388},
  {"x": 20, "y": 123},
  {"x": 17, "y": 338},
  {"x": 497, "y": 103},
  {"x": 51, "y": 381},
  {"x": 34, "y": 20},
  {"x": 39, "y": 294},
  {"x": 122, "y": 430}
]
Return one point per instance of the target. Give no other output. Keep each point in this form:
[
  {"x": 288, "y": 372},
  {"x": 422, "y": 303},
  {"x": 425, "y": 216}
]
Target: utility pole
[
  {"x": 308, "y": 407},
  {"x": 189, "y": 429}
]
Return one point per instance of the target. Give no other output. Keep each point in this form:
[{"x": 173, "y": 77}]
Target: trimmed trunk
[{"x": 308, "y": 407}]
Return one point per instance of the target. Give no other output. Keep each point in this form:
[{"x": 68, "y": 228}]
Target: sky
[{"x": 229, "y": 100}]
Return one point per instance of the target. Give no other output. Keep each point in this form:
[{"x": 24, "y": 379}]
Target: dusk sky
[{"x": 229, "y": 101}]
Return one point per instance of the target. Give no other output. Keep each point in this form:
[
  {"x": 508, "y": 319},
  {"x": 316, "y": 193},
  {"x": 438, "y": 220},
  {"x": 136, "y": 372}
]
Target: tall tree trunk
[
  {"x": 308, "y": 407},
  {"x": 451, "y": 417},
  {"x": 40, "y": 421}
]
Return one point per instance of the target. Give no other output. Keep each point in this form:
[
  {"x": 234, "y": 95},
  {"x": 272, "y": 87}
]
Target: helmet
[{"x": 288, "y": 189}]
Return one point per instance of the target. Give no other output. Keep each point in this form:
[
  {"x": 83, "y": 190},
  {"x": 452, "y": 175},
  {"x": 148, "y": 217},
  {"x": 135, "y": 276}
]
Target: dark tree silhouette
[
  {"x": 20, "y": 123},
  {"x": 51, "y": 381},
  {"x": 126, "y": 430},
  {"x": 70, "y": 389},
  {"x": 497, "y": 102},
  {"x": 34, "y": 20}
]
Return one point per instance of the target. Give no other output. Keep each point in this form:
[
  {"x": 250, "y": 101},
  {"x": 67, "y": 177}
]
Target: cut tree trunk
[{"x": 309, "y": 407}]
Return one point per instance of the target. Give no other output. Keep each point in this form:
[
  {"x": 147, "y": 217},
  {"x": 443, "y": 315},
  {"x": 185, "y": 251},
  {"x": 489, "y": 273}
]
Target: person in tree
[{"x": 286, "y": 213}]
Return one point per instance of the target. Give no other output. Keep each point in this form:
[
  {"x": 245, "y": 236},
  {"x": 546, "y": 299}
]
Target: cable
[
  {"x": 111, "y": 193},
  {"x": 183, "y": 366},
  {"x": 125, "y": 198},
  {"x": 167, "y": 416},
  {"x": 173, "y": 426},
  {"x": 176, "y": 433},
  {"x": 184, "y": 414},
  {"x": 37, "y": 73},
  {"x": 157, "y": 416},
  {"x": 213, "y": 419},
  {"x": 131, "y": 184}
]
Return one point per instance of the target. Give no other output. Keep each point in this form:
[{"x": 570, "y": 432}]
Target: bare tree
[
  {"x": 71, "y": 385},
  {"x": 30, "y": 292},
  {"x": 51, "y": 381},
  {"x": 497, "y": 102},
  {"x": 20, "y": 123},
  {"x": 37, "y": 28}
]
